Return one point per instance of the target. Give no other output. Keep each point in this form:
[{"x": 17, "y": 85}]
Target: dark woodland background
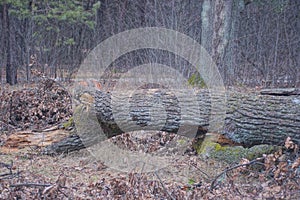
[{"x": 254, "y": 43}]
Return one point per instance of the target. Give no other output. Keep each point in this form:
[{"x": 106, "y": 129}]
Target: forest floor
[
  {"x": 182, "y": 174},
  {"x": 27, "y": 174}
]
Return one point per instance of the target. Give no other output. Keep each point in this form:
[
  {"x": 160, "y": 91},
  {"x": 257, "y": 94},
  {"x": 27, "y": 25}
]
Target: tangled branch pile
[{"x": 45, "y": 104}]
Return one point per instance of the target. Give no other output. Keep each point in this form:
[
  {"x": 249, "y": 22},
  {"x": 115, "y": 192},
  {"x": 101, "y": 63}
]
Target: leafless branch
[
  {"x": 194, "y": 165},
  {"x": 164, "y": 187},
  {"x": 30, "y": 185},
  {"x": 213, "y": 184}
]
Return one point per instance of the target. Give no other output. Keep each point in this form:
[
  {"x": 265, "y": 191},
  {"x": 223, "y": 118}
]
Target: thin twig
[
  {"x": 7, "y": 124},
  {"x": 212, "y": 186},
  {"x": 6, "y": 174},
  {"x": 53, "y": 128},
  {"x": 30, "y": 185},
  {"x": 194, "y": 165},
  {"x": 7, "y": 166},
  {"x": 62, "y": 192},
  {"x": 164, "y": 186},
  {"x": 9, "y": 176}
]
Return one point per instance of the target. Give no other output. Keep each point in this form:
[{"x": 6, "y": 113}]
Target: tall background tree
[
  {"x": 11, "y": 71},
  {"x": 253, "y": 42},
  {"x": 49, "y": 35}
]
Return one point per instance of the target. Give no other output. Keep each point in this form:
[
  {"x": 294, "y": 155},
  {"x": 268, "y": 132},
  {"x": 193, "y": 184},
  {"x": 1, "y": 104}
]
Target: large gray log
[{"x": 250, "y": 117}]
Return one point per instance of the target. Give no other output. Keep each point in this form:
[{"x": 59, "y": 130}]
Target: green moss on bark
[{"x": 233, "y": 154}]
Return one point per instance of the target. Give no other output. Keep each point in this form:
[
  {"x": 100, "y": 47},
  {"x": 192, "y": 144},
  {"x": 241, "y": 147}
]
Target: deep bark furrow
[{"x": 275, "y": 119}]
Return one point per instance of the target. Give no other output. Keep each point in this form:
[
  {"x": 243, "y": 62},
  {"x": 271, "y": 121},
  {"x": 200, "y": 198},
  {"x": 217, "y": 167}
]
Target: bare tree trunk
[
  {"x": 216, "y": 31},
  {"x": 2, "y": 39},
  {"x": 11, "y": 71},
  {"x": 206, "y": 25}
]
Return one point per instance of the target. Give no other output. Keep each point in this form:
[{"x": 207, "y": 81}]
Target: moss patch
[
  {"x": 233, "y": 154},
  {"x": 68, "y": 123},
  {"x": 196, "y": 80}
]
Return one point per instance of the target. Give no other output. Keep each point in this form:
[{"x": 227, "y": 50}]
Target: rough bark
[
  {"x": 251, "y": 118},
  {"x": 262, "y": 119},
  {"x": 11, "y": 71}
]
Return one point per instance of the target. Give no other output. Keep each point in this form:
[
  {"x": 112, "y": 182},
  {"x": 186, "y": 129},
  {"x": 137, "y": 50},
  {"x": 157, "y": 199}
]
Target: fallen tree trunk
[
  {"x": 248, "y": 118},
  {"x": 253, "y": 118}
]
